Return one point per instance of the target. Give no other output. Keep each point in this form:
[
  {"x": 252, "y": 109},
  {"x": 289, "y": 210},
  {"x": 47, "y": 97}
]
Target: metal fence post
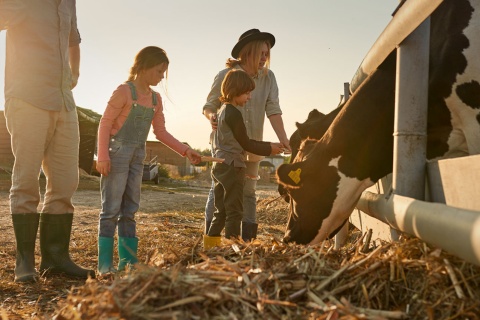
[{"x": 411, "y": 103}]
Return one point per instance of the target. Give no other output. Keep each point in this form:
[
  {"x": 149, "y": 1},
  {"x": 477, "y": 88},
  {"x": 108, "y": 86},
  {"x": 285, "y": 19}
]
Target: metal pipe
[
  {"x": 405, "y": 21},
  {"x": 346, "y": 91},
  {"x": 342, "y": 235},
  {"x": 411, "y": 105},
  {"x": 454, "y": 230}
]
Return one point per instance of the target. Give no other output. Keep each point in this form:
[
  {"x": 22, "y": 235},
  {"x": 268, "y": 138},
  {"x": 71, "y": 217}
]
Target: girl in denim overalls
[{"x": 122, "y": 134}]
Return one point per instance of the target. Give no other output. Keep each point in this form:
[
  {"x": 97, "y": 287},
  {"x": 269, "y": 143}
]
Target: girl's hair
[
  {"x": 250, "y": 56},
  {"x": 236, "y": 83},
  {"x": 148, "y": 58}
]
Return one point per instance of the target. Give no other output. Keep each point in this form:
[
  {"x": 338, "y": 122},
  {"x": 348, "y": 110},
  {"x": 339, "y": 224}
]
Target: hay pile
[{"x": 267, "y": 279}]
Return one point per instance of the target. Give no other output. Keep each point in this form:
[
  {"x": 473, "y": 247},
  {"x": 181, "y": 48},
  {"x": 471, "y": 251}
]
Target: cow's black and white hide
[{"x": 327, "y": 176}]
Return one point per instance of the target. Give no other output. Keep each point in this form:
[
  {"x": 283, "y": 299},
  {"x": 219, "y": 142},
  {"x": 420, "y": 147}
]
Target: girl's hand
[
  {"x": 277, "y": 148},
  {"x": 193, "y": 156},
  {"x": 103, "y": 167}
]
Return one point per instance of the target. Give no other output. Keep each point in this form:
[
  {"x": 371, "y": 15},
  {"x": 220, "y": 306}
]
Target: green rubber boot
[
  {"x": 25, "y": 227},
  {"x": 127, "y": 252},
  {"x": 55, "y": 230},
  {"x": 105, "y": 255}
]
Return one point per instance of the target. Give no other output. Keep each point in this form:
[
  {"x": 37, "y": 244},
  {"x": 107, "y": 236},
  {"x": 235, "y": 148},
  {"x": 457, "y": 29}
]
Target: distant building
[
  {"x": 176, "y": 164},
  {"x": 268, "y": 167},
  {"x": 275, "y": 160}
]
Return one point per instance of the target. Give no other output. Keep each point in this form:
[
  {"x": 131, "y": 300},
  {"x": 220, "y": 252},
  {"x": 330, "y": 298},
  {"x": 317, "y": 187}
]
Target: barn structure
[
  {"x": 88, "y": 126},
  {"x": 88, "y": 121},
  {"x": 176, "y": 164}
]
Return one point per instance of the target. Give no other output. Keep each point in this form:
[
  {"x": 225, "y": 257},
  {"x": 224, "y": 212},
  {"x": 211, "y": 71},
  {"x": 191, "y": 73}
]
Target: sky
[{"x": 319, "y": 46}]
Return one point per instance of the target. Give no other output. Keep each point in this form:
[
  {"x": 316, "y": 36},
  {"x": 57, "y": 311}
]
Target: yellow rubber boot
[{"x": 210, "y": 242}]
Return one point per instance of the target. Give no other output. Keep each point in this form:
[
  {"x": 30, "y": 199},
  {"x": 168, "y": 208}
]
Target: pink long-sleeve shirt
[{"x": 117, "y": 112}]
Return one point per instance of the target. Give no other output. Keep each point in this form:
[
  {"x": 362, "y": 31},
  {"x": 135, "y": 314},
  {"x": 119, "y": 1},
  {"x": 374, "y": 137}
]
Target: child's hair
[
  {"x": 236, "y": 83},
  {"x": 148, "y": 58},
  {"x": 250, "y": 56}
]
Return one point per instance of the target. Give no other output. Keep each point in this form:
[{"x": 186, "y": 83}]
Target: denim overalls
[{"x": 121, "y": 188}]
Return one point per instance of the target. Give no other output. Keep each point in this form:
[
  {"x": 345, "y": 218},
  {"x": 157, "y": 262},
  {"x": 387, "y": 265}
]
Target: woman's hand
[
  {"x": 286, "y": 146},
  {"x": 212, "y": 117},
  {"x": 103, "y": 167},
  {"x": 213, "y": 120}
]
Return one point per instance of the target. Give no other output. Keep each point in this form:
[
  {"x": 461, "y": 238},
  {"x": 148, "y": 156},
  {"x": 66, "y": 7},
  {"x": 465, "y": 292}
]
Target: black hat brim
[{"x": 257, "y": 36}]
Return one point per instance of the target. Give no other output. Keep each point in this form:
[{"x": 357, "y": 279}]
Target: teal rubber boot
[
  {"x": 105, "y": 255},
  {"x": 127, "y": 252}
]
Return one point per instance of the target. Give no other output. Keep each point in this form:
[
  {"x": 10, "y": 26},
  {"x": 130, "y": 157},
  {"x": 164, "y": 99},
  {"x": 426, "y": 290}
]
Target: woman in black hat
[{"x": 252, "y": 54}]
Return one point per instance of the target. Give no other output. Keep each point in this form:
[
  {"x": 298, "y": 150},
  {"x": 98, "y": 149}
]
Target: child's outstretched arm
[
  {"x": 234, "y": 120},
  {"x": 277, "y": 148}
]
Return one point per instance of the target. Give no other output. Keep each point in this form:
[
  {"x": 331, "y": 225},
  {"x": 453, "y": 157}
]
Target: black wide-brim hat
[{"x": 251, "y": 35}]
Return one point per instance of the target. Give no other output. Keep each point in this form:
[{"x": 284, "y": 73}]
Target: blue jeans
[
  {"x": 121, "y": 190},
  {"x": 249, "y": 192},
  {"x": 210, "y": 205},
  {"x": 249, "y": 196}
]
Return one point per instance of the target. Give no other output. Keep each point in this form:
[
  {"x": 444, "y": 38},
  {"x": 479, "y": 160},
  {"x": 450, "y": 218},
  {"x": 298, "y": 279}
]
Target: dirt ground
[
  {"x": 170, "y": 212},
  {"x": 265, "y": 279}
]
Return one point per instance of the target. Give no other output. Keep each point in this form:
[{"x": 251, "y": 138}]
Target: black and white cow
[{"x": 328, "y": 175}]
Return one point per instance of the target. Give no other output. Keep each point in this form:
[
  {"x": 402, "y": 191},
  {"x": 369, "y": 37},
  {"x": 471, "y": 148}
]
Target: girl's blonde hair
[
  {"x": 148, "y": 58},
  {"x": 236, "y": 83},
  {"x": 250, "y": 56}
]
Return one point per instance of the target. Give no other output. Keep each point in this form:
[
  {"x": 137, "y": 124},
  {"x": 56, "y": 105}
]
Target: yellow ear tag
[{"x": 295, "y": 175}]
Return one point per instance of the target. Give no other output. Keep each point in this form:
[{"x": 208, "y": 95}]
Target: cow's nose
[{"x": 282, "y": 191}]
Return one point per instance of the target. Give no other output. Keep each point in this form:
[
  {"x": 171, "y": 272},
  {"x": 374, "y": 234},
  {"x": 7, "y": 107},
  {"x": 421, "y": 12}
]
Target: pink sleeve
[
  {"x": 115, "y": 106},
  {"x": 162, "y": 134}
]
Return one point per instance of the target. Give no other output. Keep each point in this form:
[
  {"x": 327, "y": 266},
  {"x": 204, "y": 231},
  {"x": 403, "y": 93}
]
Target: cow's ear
[
  {"x": 315, "y": 114},
  {"x": 290, "y": 175}
]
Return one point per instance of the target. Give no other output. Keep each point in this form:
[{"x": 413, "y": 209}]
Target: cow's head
[
  {"x": 329, "y": 173},
  {"x": 313, "y": 128},
  {"x": 306, "y": 130},
  {"x": 312, "y": 187}
]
